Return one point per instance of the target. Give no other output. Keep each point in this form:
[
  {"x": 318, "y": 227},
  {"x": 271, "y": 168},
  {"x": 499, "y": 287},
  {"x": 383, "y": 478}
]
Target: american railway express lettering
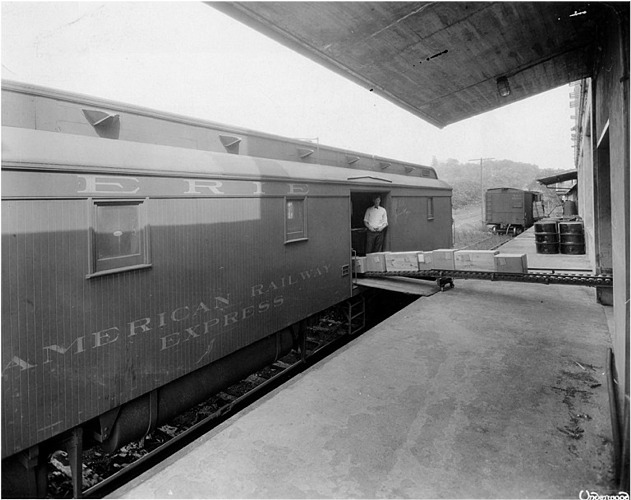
[{"x": 209, "y": 317}]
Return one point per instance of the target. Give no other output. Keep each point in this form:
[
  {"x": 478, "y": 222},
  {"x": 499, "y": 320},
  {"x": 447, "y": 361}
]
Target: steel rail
[
  {"x": 153, "y": 458},
  {"x": 167, "y": 449},
  {"x": 550, "y": 278}
]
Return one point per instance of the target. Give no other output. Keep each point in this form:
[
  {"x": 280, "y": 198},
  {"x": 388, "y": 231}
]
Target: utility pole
[{"x": 482, "y": 187}]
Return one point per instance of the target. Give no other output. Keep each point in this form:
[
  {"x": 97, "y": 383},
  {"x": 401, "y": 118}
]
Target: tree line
[{"x": 469, "y": 182}]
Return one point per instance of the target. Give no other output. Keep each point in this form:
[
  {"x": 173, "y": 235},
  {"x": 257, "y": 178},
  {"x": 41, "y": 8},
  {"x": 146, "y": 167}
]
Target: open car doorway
[{"x": 360, "y": 202}]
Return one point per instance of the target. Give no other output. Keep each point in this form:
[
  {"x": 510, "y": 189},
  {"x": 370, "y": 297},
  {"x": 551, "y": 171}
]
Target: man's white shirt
[{"x": 377, "y": 218}]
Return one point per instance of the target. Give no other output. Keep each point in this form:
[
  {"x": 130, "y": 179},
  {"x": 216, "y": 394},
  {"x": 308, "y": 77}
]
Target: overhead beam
[{"x": 253, "y": 20}]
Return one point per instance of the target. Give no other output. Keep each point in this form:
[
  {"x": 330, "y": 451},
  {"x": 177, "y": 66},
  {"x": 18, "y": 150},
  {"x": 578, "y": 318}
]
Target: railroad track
[
  {"x": 320, "y": 340},
  {"x": 153, "y": 458}
]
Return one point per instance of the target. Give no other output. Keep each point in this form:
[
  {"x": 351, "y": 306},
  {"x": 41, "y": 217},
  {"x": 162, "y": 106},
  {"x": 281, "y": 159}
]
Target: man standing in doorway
[{"x": 376, "y": 221}]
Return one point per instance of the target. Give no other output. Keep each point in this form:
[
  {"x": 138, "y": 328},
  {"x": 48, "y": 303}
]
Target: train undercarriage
[{"x": 25, "y": 474}]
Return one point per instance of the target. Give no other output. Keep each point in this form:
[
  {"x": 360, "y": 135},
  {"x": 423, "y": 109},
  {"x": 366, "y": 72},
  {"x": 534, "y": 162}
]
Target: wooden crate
[
  {"x": 475, "y": 260},
  {"x": 359, "y": 264},
  {"x": 376, "y": 262},
  {"x": 402, "y": 261},
  {"x": 425, "y": 261},
  {"x": 443, "y": 259},
  {"x": 511, "y": 263}
]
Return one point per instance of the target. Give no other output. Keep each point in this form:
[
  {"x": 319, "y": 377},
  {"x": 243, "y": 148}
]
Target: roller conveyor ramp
[
  {"x": 547, "y": 269},
  {"x": 391, "y": 280},
  {"x": 401, "y": 284}
]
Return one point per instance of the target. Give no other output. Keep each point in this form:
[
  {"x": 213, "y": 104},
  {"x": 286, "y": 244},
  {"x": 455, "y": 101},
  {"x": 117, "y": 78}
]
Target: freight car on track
[
  {"x": 512, "y": 210},
  {"x": 150, "y": 260}
]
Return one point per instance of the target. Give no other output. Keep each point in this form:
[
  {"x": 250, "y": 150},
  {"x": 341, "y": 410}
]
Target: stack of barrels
[
  {"x": 547, "y": 236},
  {"x": 572, "y": 241},
  {"x": 559, "y": 237}
]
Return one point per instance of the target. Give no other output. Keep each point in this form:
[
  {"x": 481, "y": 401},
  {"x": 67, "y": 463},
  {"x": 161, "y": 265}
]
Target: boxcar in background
[
  {"x": 509, "y": 209},
  {"x": 139, "y": 278}
]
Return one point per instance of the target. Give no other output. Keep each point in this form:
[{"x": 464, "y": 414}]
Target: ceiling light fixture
[{"x": 503, "y": 87}]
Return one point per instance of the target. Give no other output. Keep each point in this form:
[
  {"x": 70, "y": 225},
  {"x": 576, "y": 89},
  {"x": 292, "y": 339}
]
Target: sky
[{"x": 190, "y": 59}]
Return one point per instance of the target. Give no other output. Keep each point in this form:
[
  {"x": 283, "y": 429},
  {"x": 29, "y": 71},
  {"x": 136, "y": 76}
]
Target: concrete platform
[
  {"x": 488, "y": 390},
  {"x": 525, "y": 243}
]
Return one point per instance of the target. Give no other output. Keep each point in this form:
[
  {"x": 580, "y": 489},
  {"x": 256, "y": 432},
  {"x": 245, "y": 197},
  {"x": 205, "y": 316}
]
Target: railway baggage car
[{"x": 140, "y": 278}]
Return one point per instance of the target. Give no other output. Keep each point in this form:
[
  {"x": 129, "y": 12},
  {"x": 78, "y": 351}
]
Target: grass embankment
[{"x": 471, "y": 233}]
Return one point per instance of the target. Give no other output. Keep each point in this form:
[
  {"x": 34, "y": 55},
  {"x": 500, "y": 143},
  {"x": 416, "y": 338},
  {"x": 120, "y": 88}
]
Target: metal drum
[
  {"x": 546, "y": 237},
  {"x": 572, "y": 238}
]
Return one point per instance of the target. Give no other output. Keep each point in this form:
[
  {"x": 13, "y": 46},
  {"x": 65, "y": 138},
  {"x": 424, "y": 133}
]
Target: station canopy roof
[
  {"x": 556, "y": 179},
  {"x": 442, "y": 61}
]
